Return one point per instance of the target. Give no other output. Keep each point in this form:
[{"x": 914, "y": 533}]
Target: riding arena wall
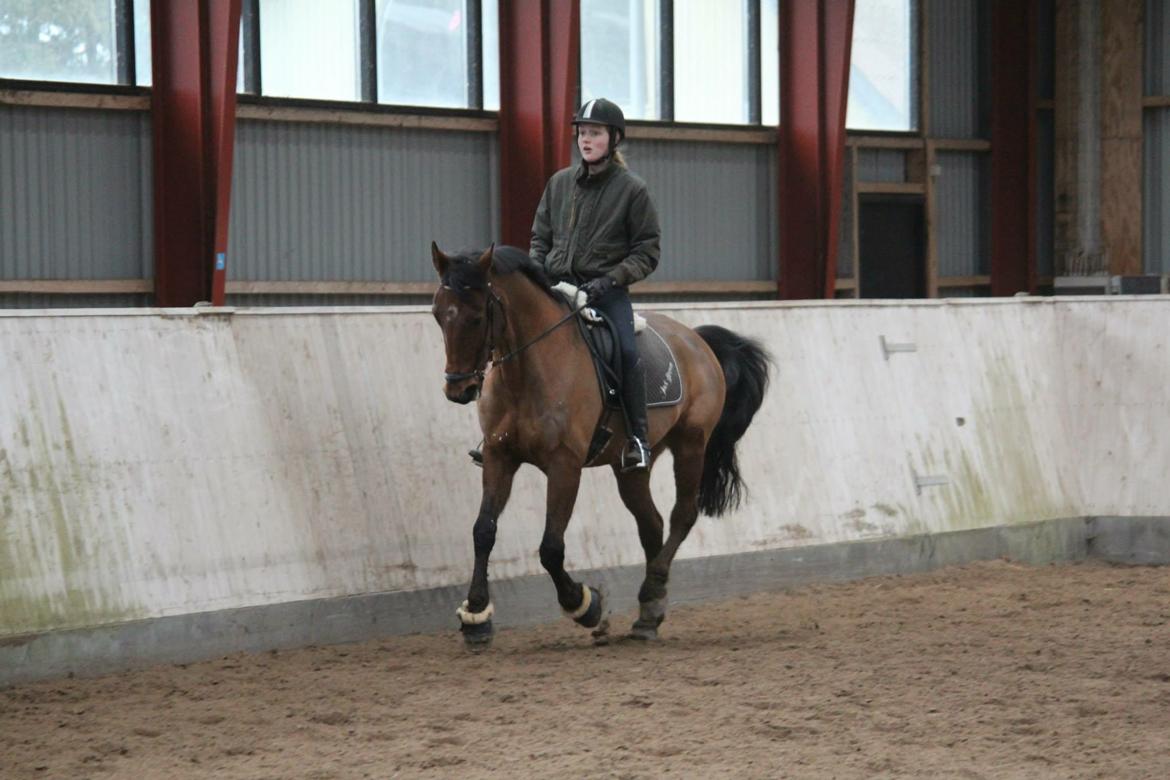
[{"x": 176, "y": 484}]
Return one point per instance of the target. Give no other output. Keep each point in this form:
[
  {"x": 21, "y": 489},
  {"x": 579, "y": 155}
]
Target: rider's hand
[{"x": 597, "y": 288}]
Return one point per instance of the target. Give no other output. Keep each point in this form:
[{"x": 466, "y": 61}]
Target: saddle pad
[{"x": 663, "y": 383}]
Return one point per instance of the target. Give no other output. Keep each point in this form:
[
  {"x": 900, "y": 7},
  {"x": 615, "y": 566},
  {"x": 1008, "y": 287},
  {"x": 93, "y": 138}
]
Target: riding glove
[{"x": 597, "y": 288}]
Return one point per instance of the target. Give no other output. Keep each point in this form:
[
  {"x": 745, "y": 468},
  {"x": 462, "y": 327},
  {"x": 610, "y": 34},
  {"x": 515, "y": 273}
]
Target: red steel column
[
  {"x": 815, "y": 42},
  {"x": 194, "y": 56},
  {"x": 1013, "y": 137},
  {"x": 539, "y": 41}
]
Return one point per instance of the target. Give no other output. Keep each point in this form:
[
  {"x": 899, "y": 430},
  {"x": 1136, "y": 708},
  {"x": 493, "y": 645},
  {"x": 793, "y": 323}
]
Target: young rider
[{"x": 596, "y": 227}]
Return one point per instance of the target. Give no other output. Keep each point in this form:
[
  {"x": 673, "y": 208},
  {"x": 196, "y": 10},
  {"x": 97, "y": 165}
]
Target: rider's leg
[{"x": 616, "y": 306}]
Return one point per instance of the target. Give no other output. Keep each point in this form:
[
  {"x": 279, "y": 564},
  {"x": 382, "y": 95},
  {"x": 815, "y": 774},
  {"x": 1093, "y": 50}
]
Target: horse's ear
[
  {"x": 441, "y": 261},
  {"x": 485, "y": 260}
]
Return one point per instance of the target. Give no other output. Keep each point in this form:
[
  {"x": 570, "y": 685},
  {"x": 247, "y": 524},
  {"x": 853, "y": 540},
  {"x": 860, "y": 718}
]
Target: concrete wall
[{"x": 158, "y": 463}]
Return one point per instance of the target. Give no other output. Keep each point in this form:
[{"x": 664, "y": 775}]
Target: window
[
  {"x": 310, "y": 49},
  {"x": 881, "y": 74},
  {"x": 709, "y": 61},
  {"x": 619, "y": 54},
  {"x": 65, "y": 40}
]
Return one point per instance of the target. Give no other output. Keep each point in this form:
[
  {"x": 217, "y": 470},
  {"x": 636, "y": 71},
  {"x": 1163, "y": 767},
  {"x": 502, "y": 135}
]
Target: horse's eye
[{"x": 476, "y": 320}]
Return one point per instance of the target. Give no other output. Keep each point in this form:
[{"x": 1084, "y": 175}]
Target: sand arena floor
[{"x": 994, "y": 670}]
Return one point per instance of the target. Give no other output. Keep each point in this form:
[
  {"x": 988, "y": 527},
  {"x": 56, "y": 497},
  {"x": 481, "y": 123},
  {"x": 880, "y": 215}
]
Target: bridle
[{"x": 487, "y": 346}]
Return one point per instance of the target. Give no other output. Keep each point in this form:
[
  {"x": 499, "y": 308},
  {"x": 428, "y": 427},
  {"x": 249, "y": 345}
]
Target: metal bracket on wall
[
  {"x": 929, "y": 480},
  {"x": 890, "y": 347}
]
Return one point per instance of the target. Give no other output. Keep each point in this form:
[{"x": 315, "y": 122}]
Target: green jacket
[{"x": 587, "y": 226}]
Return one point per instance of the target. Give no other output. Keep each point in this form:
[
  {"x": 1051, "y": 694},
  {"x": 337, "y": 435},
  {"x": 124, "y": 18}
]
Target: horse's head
[{"x": 462, "y": 307}]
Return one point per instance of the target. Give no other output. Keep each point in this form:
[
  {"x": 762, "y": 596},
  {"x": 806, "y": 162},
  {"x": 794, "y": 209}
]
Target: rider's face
[{"x": 593, "y": 141}]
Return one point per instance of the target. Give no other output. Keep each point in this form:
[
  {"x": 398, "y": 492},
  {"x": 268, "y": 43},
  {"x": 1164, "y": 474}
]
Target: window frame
[{"x": 250, "y": 92}]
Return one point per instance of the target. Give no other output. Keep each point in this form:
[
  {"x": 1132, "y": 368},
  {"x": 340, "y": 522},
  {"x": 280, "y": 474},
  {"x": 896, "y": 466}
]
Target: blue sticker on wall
[{"x": 220, "y": 261}]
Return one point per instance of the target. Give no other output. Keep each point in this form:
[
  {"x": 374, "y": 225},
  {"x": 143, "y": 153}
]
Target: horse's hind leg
[
  {"x": 634, "y": 488},
  {"x": 688, "y": 450},
  {"x": 581, "y": 603}
]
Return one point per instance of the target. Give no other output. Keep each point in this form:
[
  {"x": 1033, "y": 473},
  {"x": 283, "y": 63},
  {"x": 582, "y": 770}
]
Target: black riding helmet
[{"x": 603, "y": 112}]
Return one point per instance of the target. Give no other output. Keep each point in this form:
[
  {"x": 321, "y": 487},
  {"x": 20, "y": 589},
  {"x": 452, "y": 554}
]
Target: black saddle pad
[{"x": 663, "y": 383}]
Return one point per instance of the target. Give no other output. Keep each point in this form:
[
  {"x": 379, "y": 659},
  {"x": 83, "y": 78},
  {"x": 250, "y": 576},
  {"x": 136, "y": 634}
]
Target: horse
[{"x": 539, "y": 403}]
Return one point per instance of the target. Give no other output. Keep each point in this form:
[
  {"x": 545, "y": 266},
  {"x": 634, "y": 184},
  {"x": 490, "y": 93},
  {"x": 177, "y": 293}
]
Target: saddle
[{"x": 663, "y": 381}]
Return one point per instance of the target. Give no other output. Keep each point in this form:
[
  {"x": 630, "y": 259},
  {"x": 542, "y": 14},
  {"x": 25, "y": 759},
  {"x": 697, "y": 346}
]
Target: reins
[{"x": 488, "y": 347}]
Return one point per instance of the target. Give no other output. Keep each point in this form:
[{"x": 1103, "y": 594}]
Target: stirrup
[
  {"x": 635, "y": 456},
  {"x": 476, "y": 455}
]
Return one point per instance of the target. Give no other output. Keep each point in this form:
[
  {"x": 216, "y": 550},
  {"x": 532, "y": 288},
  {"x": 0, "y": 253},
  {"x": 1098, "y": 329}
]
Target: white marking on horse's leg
[
  {"x": 586, "y": 601},
  {"x": 469, "y": 618}
]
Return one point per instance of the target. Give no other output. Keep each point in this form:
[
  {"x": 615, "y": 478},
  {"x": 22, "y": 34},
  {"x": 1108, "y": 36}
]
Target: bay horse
[{"x": 540, "y": 402}]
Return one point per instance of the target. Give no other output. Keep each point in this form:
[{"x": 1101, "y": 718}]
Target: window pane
[
  {"x": 142, "y": 69},
  {"x": 769, "y": 62},
  {"x": 619, "y": 54},
  {"x": 309, "y": 49},
  {"x": 881, "y": 75},
  {"x": 491, "y": 55},
  {"x": 422, "y": 52},
  {"x": 710, "y": 61},
  {"x": 68, "y": 40}
]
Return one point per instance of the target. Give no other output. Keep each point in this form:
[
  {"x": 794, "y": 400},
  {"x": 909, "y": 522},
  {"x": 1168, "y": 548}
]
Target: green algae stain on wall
[
  {"x": 996, "y": 472},
  {"x": 55, "y": 544}
]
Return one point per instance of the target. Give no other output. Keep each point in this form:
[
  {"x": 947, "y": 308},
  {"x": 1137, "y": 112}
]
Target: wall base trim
[{"x": 531, "y": 600}]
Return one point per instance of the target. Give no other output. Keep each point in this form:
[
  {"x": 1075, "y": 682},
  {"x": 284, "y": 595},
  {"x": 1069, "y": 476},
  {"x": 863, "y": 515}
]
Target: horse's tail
[{"x": 745, "y": 370}]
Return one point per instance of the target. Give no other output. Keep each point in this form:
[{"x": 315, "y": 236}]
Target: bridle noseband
[{"x": 488, "y": 347}]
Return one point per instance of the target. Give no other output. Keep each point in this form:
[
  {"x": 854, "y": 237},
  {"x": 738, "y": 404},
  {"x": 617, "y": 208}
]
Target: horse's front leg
[
  {"x": 475, "y": 615},
  {"x": 581, "y": 603}
]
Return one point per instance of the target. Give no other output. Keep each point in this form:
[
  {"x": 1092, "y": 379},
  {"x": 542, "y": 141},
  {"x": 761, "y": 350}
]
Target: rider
[{"x": 596, "y": 227}]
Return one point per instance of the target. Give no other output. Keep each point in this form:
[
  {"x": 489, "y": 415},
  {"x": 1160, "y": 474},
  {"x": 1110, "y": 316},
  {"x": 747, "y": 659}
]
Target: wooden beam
[
  {"x": 1157, "y": 101},
  {"x": 884, "y": 142},
  {"x": 1121, "y": 135},
  {"x": 703, "y": 134},
  {"x": 961, "y": 144},
  {"x": 891, "y": 188},
  {"x": 330, "y": 288},
  {"x": 98, "y": 100},
  {"x": 945, "y": 282},
  {"x": 359, "y": 117},
  {"x": 77, "y": 286},
  {"x": 705, "y": 288},
  {"x": 715, "y": 287}
]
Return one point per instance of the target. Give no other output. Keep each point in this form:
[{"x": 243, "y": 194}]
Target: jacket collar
[{"x": 586, "y": 179}]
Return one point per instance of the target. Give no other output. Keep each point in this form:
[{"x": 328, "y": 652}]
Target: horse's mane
[{"x": 464, "y": 276}]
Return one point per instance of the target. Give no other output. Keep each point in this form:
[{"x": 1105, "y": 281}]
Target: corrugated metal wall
[
  {"x": 960, "y": 211},
  {"x": 75, "y": 194},
  {"x": 1045, "y": 193},
  {"x": 845, "y": 229},
  {"x": 956, "y": 33},
  {"x": 883, "y": 165},
  {"x": 342, "y": 203},
  {"x": 1157, "y": 50},
  {"x": 1156, "y": 200},
  {"x": 717, "y": 206}
]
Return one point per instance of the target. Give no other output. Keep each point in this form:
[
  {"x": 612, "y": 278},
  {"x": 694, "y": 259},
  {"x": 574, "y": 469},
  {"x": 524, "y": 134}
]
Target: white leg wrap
[
  {"x": 475, "y": 618},
  {"x": 586, "y": 602}
]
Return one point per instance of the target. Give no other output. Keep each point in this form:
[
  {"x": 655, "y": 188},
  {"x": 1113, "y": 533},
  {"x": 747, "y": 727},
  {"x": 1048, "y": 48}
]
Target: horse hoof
[
  {"x": 477, "y": 636},
  {"x": 601, "y": 633},
  {"x": 593, "y": 611},
  {"x": 644, "y": 632}
]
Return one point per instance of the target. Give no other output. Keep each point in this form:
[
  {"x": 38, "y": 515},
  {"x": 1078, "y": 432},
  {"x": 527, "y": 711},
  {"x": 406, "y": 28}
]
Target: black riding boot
[{"x": 637, "y": 452}]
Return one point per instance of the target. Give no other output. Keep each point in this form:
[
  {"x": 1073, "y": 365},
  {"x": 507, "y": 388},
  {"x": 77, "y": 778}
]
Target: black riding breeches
[{"x": 616, "y": 305}]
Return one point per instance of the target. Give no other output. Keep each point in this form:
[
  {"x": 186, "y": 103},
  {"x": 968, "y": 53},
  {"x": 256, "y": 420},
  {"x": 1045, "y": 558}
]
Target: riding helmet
[{"x": 602, "y": 112}]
